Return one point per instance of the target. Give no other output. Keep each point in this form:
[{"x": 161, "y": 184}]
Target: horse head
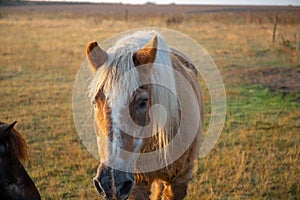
[
  {"x": 15, "y": 182},
  {"x": 118, "y": 147}
]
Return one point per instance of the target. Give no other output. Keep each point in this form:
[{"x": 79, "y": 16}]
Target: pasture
[{"x": 258, "y": 153}]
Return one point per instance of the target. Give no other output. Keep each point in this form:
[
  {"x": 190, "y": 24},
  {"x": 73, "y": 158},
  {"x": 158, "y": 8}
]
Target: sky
[{"x": 199, "y": 2}]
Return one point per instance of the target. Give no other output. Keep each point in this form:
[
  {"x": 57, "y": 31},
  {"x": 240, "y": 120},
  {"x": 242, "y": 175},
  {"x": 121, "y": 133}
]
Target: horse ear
[
  {"x": 6, "y": 130},
  {"x": 96, "y": 56},
  {"x": 146, "y": 54}
]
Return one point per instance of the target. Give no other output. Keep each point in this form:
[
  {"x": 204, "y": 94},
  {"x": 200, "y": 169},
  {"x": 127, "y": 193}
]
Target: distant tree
[{"x": 150, "y": 3}]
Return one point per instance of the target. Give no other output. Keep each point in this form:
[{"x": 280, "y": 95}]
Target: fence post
[
  {"x": 275, "y": 27},
  {"x": 126, "y": 15}
]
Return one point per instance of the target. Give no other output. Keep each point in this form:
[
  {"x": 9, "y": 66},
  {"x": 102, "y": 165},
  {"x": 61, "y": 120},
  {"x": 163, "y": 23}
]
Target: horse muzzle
[{"x": 113, "y": 184}]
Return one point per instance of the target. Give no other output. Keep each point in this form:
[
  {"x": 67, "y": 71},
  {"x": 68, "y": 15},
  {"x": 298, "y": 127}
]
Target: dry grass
[{"x": 258, "y": 154}]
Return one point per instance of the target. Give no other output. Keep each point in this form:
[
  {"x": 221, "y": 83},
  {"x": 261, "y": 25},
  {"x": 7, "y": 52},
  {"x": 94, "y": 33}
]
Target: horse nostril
[
  {"x": 103, "y": 187},
  {"x": 103, "y": 181},
  {"x": 97, "y": 186},
  {"x": 125, "y": 189}
]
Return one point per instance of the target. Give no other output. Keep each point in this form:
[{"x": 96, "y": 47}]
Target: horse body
[
  {"x": 171, "y": 182},
  {"x": 111, "y": 99},
  {"x": 15, "y": 182}
]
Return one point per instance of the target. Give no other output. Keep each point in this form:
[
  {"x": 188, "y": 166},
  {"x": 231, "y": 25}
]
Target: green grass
[
  {"x": 257, "y": 155},
  {"x": 256, "y": 100}
]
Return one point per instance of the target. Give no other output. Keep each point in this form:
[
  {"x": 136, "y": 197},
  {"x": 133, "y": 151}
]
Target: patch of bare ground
[
  {"x": 278, "y": 78},
  {"x": 284, "y": 79}
]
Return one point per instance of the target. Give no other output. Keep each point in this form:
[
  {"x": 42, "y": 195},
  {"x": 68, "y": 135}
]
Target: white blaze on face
[
  {"x": 137, "y": 144},
  {"x": 118, "y": 155}
]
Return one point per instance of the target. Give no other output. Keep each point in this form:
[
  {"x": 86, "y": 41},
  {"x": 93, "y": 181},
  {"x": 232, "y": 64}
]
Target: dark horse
[{"x": 15, "y": 183}]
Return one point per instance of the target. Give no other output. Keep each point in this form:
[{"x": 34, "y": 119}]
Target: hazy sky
[{"x": 214, "y": 2}]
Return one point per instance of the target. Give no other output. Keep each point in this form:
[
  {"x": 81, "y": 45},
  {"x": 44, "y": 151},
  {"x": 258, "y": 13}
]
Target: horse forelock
[{"x": 16, "y": 145}]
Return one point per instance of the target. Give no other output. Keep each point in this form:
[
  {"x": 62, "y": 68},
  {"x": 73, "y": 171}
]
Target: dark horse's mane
[{"x": 16, "y": 144}]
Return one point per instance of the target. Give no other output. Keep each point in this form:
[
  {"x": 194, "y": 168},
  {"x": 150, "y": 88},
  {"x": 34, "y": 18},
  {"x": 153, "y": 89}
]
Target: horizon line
[{"x": 154, "y": 3}]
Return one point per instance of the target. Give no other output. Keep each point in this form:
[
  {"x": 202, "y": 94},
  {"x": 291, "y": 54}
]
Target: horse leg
[
  {"x": 140, "y": 191},
  {"x": 157, "y": 188},
  {"x": 175, "y": 190}
]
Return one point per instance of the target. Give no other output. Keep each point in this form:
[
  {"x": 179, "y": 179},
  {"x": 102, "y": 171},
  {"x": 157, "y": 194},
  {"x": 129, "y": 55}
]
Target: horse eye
[{"x": 2, "y": 150}]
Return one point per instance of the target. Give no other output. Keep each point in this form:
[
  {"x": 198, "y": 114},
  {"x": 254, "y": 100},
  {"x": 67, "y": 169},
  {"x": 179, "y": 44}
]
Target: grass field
[{"x": 258, "y": 153}]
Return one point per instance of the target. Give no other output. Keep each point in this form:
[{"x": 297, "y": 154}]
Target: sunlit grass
[{"x": 257, "y": 156}]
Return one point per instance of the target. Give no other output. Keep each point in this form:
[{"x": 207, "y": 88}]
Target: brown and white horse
[
  {"x": 15, "y": 183},
  {"x": 121, "y": 101}
]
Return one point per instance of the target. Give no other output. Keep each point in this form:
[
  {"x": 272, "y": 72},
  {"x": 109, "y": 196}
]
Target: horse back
[{"x": 182, "y": 64}]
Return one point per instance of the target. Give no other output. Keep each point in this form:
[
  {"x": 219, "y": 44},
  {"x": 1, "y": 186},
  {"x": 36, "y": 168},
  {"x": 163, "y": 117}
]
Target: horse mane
[
  {"x": 17, "y": 145},
  {"x": 120, "y": 61}
]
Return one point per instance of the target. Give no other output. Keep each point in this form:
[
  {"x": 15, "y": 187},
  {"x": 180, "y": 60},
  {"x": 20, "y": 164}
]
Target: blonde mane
[{"x": 120, "y": 61}]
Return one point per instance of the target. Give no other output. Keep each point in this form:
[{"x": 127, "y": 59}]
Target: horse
[
  {"x": 120, "y": 101},
  {"x": 15, "y": 182}
]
